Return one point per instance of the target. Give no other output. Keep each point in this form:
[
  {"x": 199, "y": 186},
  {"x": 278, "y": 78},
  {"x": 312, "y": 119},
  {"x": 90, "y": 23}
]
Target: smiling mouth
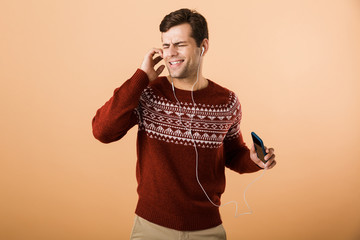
[{"x": 176, "y": 62}]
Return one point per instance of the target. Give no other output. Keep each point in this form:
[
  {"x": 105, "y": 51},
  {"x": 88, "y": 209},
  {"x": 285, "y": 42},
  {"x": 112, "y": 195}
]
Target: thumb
[{"x": 252, "y": 147}]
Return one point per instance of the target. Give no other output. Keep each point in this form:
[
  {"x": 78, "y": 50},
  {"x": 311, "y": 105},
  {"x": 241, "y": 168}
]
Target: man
[{"x": 188, "y": 131}]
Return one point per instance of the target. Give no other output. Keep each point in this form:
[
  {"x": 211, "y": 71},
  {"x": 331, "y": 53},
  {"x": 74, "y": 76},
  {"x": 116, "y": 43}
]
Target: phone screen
[
  {"x": 259, "y": 152},
  {"x": 259, "y": 147}
]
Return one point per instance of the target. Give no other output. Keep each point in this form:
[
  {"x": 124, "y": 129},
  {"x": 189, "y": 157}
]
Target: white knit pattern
[{"x": 211, "y": 124}]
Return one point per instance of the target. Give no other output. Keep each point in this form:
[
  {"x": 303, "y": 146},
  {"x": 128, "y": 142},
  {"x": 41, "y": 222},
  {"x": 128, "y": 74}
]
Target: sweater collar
[{"x": 186, "y": 94}]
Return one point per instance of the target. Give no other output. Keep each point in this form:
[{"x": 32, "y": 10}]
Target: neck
[{"x": 188, "y": 83}]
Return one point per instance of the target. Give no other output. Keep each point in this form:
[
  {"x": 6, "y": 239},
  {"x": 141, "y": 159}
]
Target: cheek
[
  {"x": 166, "y": 56},
  {"x": 165, "y": 53},
  {"x": 184, "y": 52}
]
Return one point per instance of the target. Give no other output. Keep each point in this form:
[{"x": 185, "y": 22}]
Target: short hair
[{"x": 196, "y": 20}]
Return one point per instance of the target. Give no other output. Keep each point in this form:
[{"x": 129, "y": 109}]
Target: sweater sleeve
[
  {"x": 112, "y": 121},
  {"x": 236, "y": 153}
]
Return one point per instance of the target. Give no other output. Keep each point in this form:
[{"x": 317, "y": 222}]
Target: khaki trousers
[{"x": 145, "y": 230}]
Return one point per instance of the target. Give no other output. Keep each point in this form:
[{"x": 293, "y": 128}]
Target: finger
[
  {"x": 151, "y": 53},
  {"x": 269, "y": 156},
  {"x": 160, "y": 69},
  {"x": 157, "y": 60},
  {"x": 267, "y": 164},
  {"x": 268, "y": 150},
  {"x": 270, "y": 164},
  {"x": 273, "y": 163},
  {"x": 156, "y": 51}
]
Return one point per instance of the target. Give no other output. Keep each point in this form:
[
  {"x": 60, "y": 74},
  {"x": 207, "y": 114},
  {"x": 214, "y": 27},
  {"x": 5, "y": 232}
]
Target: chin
[
  {"x": 177, "y": 76},
  {"x": 181, "y": 73}
]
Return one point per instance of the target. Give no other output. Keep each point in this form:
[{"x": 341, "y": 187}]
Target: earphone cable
[{"x": 197, "y": 154}]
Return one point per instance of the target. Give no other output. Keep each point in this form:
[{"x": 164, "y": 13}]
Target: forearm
[
  {"x": 117, "y": 115},
  {"x": 237, "y": 156}
]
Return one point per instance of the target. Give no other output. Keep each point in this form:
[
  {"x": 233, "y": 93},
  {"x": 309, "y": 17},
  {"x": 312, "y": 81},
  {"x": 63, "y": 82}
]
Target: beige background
[{"x": 294, "y": 65}]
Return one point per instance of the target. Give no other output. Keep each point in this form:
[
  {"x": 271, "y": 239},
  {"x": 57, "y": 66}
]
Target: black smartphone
[{"x": 259, "y": 147}]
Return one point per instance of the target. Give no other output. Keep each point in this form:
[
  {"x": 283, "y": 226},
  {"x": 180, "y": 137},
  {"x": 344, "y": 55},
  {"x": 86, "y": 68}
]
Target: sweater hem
[{"x": 198, "y": 221}]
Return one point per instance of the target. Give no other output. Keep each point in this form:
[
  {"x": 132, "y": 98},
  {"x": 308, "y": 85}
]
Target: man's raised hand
[{"x": 148, "y": 65}]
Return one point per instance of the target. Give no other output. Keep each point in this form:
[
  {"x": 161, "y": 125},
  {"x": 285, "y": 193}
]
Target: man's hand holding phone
[
  {"x": 264, "y": 157},
  {"x": 148, "y": 65}
]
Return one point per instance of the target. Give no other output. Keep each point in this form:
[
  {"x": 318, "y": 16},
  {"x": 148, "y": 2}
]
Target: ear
[{"x": 204, "y": 46}]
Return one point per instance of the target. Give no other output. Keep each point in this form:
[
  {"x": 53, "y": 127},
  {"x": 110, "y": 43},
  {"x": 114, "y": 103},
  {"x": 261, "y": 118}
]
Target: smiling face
[{"x": 180, "y": 52}]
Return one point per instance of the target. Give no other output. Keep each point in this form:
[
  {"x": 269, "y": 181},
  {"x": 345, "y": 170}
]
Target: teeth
[{"x": 172, "y": 63}]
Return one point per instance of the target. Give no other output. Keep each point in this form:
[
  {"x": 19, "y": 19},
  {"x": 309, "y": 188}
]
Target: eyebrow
[{"x": 177, "y": 43}]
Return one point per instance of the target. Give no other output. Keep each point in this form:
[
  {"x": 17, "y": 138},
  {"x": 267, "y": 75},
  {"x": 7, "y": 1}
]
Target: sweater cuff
[{"x": 140, "y": 79}]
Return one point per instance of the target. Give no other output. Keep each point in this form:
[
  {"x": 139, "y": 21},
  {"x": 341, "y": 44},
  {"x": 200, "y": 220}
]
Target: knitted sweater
[{"x": 169, "y": 194}]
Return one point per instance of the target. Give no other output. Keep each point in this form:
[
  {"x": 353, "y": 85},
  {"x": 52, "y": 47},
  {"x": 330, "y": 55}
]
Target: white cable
[{"x": 197, "y": 154}]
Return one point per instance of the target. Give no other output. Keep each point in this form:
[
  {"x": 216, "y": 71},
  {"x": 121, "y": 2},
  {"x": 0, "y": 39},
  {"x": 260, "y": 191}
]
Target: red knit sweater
[{"x": 169, "y": 194}]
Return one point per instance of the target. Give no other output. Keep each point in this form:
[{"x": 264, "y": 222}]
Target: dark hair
[{"x": 196, "y": 20}]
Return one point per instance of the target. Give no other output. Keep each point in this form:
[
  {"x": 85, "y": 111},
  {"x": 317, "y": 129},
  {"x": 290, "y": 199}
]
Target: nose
[{"x": 172, "y": 51}]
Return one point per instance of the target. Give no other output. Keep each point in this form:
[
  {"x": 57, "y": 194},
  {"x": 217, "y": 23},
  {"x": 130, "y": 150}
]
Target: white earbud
[{"x": 202, "y": 51}]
